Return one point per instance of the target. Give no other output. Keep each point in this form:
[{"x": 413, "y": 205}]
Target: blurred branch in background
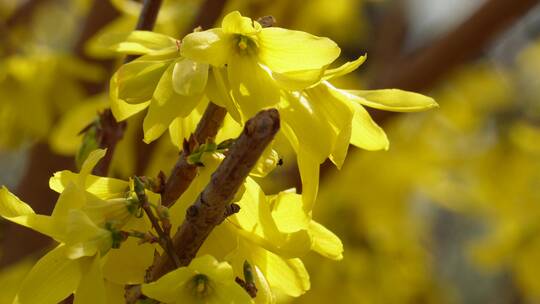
[{"x": 421, "y": 70}]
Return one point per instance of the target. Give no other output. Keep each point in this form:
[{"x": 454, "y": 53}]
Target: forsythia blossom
[{"x": 245, "y": 67}]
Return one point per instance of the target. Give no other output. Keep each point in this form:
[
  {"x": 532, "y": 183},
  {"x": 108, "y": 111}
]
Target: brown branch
[
  {"x": 183, "y": 173},
  {"x": 424, "y": 68},
  {"x": 109, "y": 133},
  {"x": 210, "y": 208},
  {"x": 210, "y": 11}
]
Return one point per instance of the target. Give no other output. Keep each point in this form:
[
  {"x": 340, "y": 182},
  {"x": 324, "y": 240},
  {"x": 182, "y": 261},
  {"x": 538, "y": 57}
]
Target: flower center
[
  {"x": 201, "y": 286},
  {"x": 245, "y": 44}
]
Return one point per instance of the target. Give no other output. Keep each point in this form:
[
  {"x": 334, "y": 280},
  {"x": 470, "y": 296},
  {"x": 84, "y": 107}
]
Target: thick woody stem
[
  {"x": 210, "y": 208},
  {"x": 183, "y": 173}
]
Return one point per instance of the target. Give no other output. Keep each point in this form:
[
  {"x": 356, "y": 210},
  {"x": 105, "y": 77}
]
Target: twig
[
  {"x": 164, "y": 238},
  {"x": 183, "y": 173},
  {"x": 210, "y": 208},
  {"x": 109, "y": 133}
]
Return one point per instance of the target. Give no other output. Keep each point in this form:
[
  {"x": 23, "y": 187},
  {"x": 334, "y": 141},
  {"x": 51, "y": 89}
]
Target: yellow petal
[
  {"x": 235, "y": 23},
  {"x": 266, "y": 163},
  {"x": 91, "y": 161},
  {"x": 257, "y": 224},
  {"x": 91, "y": 288},
  {"x": 218, "y": 91},
  {"x": 254, "y": 92},
  {"x": 341, "y": 146},
  {"x": 285, "y": 50},
  {"x": 344, "y": 69},
  {"x": 52, "y": 279},
  {"x": 311, "y": 127},
  {"x": 212, "y": 47},
  {"x": 102, "y": 187},
  {"x": 128, "y": 264},
  {"x": 189, "y": 77},
  {"x": 325, "y": 242},
  {"x": 165, "y": 106},
  {"x": 83, "y": 237},
  {"x": 394, "y": 100},
  {"x": 297, "y": 80},
  {"x": 366, "y": 134},
  {"x": 288, "y": 212},
  {"x": 182, "y": 127},
  {"x": 137, "y": 80},
  {"x": 288, "y": 275},
  {"x": 15, "y": 210},
  {"x": 166, "y": 289},
  {"x": 121, "y": 109},
  {"x": 309, "y": 173},
  {"x": 137, "y": 42}
]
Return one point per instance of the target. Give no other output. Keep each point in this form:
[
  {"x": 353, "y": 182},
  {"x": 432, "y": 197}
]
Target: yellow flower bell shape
[
  {"x": 205, "y": 280},
  {"x": 254, "y": 55}
]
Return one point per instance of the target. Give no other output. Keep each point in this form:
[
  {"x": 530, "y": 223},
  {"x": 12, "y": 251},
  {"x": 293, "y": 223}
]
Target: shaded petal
[
  {"x": 121, "y": 109},
  {"x": 235, "y": 23},
  {"x": 165, "y": 106},
  {"x": 344, "y": 69},
  {"x": 91, "y": 288},
  {"x": 52, "y": 279},
  {"x": 84, "y": 237},
  {"x": 137, "y": 80},
  {"x": 229, "y": 294},
  {"x": 297, "y": 80},
  {"x": 309, "y": 173},
  {"x": 394, "y": 100},
  {"x": 136, "y": 42},
  {"x": 71, "y": 198},
  {"x": 89, "y": 163},
  {"x": 252, "y": 86},
  {"x": 285, "y": 50},
  {"x": 102, "y": 187},
  {"x": 211, "y": 47},
  {"x": 366, "y": 134},
  {"x": 189, "y": 77},
  {"x": 168, "y": 287},
  {"x": 325, "y": 242},
  {"x": 15, "y": 210},
  {"x": 128, "y": 264},
  {"x": 288, "y": 275},
  {"x": 219, "y": 92},
  {"x": 310, "y": 126}
]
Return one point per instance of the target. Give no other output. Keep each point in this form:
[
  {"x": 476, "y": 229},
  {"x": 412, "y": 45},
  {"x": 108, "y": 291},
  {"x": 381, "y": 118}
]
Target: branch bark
[
  {"x": 210, "y": 208},
  {"x": 183, "y": 173}
]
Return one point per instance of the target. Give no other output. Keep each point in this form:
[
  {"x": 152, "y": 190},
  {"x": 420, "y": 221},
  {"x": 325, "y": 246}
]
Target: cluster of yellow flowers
[{"x": 243, "y": 67}]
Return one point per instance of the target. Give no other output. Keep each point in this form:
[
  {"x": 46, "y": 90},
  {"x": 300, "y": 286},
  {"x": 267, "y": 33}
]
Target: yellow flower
[
  {"x": 86, "y": 226},
  {"x": 270, "y": 232},
  {"x": 205, "y": 280},
  {"x": 169, "y": 85},
  {"x": 248, "y": 57},
  {"x": 321, "y": 120}
]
